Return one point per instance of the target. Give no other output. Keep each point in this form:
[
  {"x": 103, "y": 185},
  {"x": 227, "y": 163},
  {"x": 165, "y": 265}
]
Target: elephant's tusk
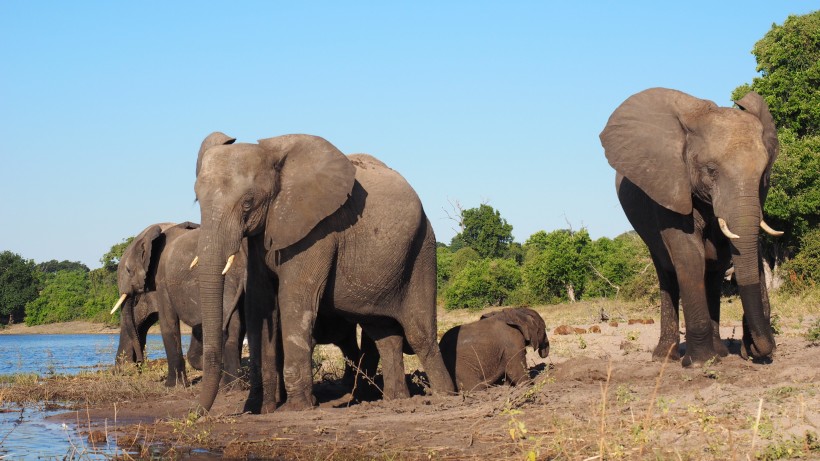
[
  {"x": 228, "y": 264},
  {"x": 194, "y": 262},
  {"x": 769, "y": 230},
  {"x": 119, "y": 303},
  {"x": 725, "y": 229}
]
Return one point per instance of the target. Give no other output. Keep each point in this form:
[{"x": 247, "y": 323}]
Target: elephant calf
[{"x": 481, "y": 353}]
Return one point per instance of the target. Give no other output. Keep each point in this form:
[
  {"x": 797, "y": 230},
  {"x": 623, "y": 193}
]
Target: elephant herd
[{"x": 300, "y": 244}]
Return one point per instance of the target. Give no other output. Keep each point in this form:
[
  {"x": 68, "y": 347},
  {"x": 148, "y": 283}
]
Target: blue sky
[{"x": 103, "y": 104}]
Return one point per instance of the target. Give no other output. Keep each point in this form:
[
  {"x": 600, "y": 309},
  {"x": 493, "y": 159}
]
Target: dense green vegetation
[
  {"x": 788, "y": 59},
  {"x": 57, "y": 291},
  {"x": 483, "y": 265},
  {"x": 551, "y": 267}
]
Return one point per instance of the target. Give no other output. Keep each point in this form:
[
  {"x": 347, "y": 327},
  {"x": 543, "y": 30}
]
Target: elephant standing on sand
[
  {"x": 481, "y": 353},
  {"x": 692, "y": 178},
  {"x": 156, "y": 280},
  {"x": 326, "y": 232}
]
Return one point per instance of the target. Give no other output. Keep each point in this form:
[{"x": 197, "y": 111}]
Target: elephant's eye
[{"x": 247, "y": 203}]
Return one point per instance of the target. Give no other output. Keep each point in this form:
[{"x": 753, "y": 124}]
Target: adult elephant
[
  {"x": 692, "y": 178},
  {"x": 325, "y": 232},
  {"x": 156, "y": 282}
]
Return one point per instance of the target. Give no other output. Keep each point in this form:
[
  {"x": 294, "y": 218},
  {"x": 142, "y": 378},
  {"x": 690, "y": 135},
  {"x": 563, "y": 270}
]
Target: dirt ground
[{"x": 597, "y": 396}]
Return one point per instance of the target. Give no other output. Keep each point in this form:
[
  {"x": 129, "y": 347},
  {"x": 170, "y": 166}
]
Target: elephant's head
[
  {"x": 132, "y": 281},
  {"x": 679, "y": 149},
  {"x": 280, "y": 188},
  {"x": 529, "y": 323}
]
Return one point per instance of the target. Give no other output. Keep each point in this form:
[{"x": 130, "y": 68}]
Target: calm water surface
[{"x": 24, "y": 432}]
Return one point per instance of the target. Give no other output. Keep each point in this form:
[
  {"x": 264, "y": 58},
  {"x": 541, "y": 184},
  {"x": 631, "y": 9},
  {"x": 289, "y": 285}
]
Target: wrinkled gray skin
[
  {"x": 681, "y": 163},
  {"x": 154, "y": 272},
  {"x": 482, "y": 353},
  {"x": 326, "y": 232}
]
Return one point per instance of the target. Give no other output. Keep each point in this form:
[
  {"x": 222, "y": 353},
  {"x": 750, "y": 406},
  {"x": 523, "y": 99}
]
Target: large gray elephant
[
  {"x": 156, "y": 282},
  {"x": 325, "y": 232},
  {"x": 692, "y": 178},
  {"x": 481, "y": 353}
]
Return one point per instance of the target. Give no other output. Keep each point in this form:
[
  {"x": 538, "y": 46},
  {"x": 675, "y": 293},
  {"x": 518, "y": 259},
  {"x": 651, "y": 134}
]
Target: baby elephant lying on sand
[{"x": 480, "y": 353}]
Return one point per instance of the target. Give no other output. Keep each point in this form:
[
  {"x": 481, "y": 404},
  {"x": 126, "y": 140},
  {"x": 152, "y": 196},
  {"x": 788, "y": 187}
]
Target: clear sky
[{"x": 103, "y": 104}]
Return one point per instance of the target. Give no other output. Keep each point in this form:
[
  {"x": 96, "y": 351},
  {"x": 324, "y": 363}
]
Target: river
[{"x": 24, "y": 432}]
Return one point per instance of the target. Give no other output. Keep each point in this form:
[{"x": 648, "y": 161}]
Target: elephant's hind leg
[
  {"x": 389, "y": 342},
  {"x": 669, "y": 341}
]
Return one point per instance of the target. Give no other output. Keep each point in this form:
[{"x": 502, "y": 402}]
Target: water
[{"x": 24, "y": 432}]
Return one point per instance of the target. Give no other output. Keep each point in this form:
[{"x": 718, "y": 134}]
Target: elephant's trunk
[
  {"x": 130, "y": 348},
  {"x": 215, "y": 246},
  {"x": 745, "y": 255}
]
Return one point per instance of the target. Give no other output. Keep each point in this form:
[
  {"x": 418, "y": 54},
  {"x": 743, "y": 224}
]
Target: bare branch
[{"x": 616, "y": 287}]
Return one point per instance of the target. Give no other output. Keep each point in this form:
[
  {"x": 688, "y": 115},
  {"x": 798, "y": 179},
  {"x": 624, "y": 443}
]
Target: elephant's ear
[
  {"x": 316, "y": 179},
  {"x": 645, "y": 139},
  {"x": 138, "y": 255},
  {"x": 517, "y": 319},
  {"x": 756, "y": 105},
  {"x": 216, "y": 138}
]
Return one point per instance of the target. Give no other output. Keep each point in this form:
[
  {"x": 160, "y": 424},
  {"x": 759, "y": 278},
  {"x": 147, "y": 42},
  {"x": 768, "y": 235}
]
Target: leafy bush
[
  {"x": 18, "y": 285},
  {"x": 483, "y": 283},
  {"x": 556, "y": 264},
  {"x": 62, "y": 298},
  {"x": 803, "y": 271}
]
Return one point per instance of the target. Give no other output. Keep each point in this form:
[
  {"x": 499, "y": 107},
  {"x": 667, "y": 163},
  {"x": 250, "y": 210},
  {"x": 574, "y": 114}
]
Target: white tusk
[
  {"x": 725, "y": 229},
  {"x": 119, "y": 303},
  {"x": 769, "y": 230},
  {"x": 228, "y": 265},
  {"x": 194, "y": 262}
]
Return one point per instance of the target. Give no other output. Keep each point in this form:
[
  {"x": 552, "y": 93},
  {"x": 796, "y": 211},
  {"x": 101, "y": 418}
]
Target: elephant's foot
[
  {"x": 293, "y": 404},
  {"x": 720, "y": 346},
  {"x": 666, "y": 351},
  {"x": 396, "y": 391},
  {"x": 697, "y": 358},
  {"x": 176, "y": 379}
]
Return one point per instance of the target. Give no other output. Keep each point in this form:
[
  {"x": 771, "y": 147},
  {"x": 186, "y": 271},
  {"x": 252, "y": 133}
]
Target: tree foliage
[
  {"x": 485, "y": 282},
  {"x": 111, "y": 259},
  {"x": 62, "y": 298},
  {"x": 803, "y": 271},
  {"x": 485, "y": 231},
  {"x": 788, "y": 58},
  {"x": 793, "y": 203},
  {"x": 53, "y": 266},
  {"x": 18, "y": 286},
  {"x": 556, "y": 267}
]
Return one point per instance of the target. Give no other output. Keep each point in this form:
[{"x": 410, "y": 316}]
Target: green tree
[
  {"x": 485, "y": 231},
  {"x": 50, "y": 267},
  {"x": 18, "y": 286},
  {"x": 788, "y": 58},
  {"x": 556, "y": 266},
  {"x": 62, "y": 299},
  {"x": 618, "y": 266},
  {"x": 111, "y": 259},
  {"x": 803, "y": 271},
  {"x": 793, "y": 203},
  {"x": 444, "y": 267},
  {"x": 483, "y": 283}
]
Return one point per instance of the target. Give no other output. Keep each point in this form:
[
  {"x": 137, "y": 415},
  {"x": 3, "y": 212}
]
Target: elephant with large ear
[
  {"x": 692, "y": 178},
  {"x": 481, "y": 353},
  {"x": 325, "y": 232},
  {"x": 158, "y": 283}
]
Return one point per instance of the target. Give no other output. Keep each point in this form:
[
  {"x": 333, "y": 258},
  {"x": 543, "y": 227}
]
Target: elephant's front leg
[
  {"x": 297, "y": 319},
  {"x": 691, "y": 270},
  {"x": 232, "y": 352},
  {"x": 714, "y": 281}
]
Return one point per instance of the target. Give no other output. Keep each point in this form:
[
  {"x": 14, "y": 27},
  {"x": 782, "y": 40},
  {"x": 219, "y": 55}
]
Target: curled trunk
[{"x": 130, "y": 348}]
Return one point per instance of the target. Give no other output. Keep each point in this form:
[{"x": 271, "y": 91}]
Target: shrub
[{"x": 483, "y": 283}]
